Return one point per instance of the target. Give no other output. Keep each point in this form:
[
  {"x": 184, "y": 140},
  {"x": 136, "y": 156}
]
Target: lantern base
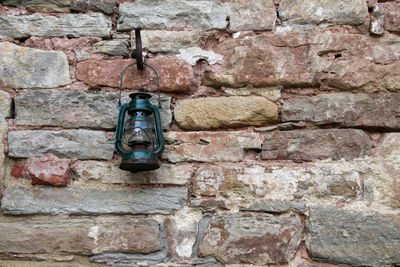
[{"x": 139, "y": 160}]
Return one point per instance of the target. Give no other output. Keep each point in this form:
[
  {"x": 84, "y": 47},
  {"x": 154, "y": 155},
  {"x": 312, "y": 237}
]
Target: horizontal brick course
[
  {"x": 20, "y": 201},
  {"x": 80, "y": 236}
]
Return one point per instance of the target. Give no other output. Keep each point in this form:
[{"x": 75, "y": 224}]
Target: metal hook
[
  {"x": 157, "y": 81},
  {"x": 138, "y": 51}
]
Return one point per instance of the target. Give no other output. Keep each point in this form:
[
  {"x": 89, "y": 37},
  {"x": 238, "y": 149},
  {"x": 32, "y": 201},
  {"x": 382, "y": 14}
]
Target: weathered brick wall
[{"x": 281, "y": 122}]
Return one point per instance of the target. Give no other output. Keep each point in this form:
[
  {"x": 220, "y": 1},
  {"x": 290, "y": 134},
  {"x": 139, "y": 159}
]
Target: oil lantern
[{"x": 139, "y": 135}]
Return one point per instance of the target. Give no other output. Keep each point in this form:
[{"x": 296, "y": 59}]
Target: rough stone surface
[
  {"x": 129, "y": 260},
  {"x": 14, "y": 263},
  {"x": 392, "y": 83},
  {"x": 158, "y": 41},
  {"x": 64, "y": 6},
  {"x": 41, "y": 5},
  {"x": 72, "y": 109},
  {"x": 22, "y": 67},
  {"x": 320, "y": 180},
  {"x": 181, "y": 233},
  {"x": 374, "y": 111},
  {"x": 80, "y": 236},
  {"x": 261, "y": 61},
  {"x": 208, "y": 204},
  {"x": 252, "y": 238},
  {"x": 20, "y": 201},
  {"x": 383, "y": 184},
  {"x": 389, "y": 145},
  {"x": 276, "y": 206},
  {"x": 271, "y": 93},
  {"x": 308, "y": 58},
  {"x": 392, "y": 16},
  {"x": 48, "y": 170},
  {"x": 112, "y": 48},
  {"x": 309, "y": 145},
  {"x": 109, "y": 173},
  {"x": 286, "y": 126},
  {"x": 350, "y": 68},
  {"x": 221, "y": 112},
  {"x": 251, "y": 15},
  {"x": 104, "y": 6},
  {"x": 352, "y": 12},
  {"x": 72, "y": 25},
  {"x": 209, "y": 146},
  {"x": 3, "y": 133},
  {"x": 352, "y": 237},
  {"x": 76, "y": 49},
  {"x": 5, "y": 104},
  {"x": 175, "y": 74},
  {"x": 378, "y": 20},
  {"x": 81, "y": 144},
  {"x": 199, "y": 15},
  {"x": 195, "y": 54}
]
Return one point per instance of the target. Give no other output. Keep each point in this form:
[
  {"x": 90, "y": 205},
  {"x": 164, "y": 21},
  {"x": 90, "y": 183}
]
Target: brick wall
[{"x": 281, "y": 121}]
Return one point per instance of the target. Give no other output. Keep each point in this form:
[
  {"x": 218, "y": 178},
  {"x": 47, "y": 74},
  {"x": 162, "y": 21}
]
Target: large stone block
[
  {"x": 373, "y": 111},
  {"x": 354, "y": 238},
  {"x": 104, "y": 6},
  {"x": 109, "y": 173},
  {"x": 181, "y": 231},
  {"x": 81, "y": 144},
  {"x": 252, "y": 238},
  {"x": 209, "y": 146},
  {"x": 199, "y": 15},
  {"x": 352, "y": 12},
  {"x": 157, "y": 41},
  {"x": 175, "y": 74},
  {"x": 362, "y": 67},
  {"x": 224, "y": 112},
  {"x": 22, "y": 67},
  {"x": 73, "y": 109},
  {"x": 20, "y": 201},
  {"x": 112, "y": 48},
  {"x": 80, "y": 236},
  {"x": 257, "y": 15},
  {"x": 308, "y": 58},
  {"x": 320, "y": 180},
  {"x": 41, "y": 5},
  {"x": 264, "y": 60},
  {"x": 72, "y": 25},
  {"x": 309, "y": 145},
  {"x": 5, "y": 104}
]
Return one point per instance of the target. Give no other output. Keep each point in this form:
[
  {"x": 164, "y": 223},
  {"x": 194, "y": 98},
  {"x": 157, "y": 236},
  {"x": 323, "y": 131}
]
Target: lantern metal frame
[{"x": 139, "y": 159}]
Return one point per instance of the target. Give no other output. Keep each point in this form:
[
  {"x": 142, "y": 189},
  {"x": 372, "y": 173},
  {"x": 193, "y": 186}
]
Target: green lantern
[{"x": 139, "y": 135}]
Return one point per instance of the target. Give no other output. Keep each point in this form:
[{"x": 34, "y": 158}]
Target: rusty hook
[{"x": 138, "y": 53}]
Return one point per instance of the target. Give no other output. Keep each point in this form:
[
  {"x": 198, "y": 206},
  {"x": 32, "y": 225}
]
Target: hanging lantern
[{"x": 139, "y": 135}]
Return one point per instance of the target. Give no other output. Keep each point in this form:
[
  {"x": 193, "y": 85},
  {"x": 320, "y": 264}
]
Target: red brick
[{"x": 48, "y": 170}]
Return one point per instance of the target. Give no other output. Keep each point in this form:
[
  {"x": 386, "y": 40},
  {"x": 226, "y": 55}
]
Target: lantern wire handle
[{"x": 157, "y": 79}]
